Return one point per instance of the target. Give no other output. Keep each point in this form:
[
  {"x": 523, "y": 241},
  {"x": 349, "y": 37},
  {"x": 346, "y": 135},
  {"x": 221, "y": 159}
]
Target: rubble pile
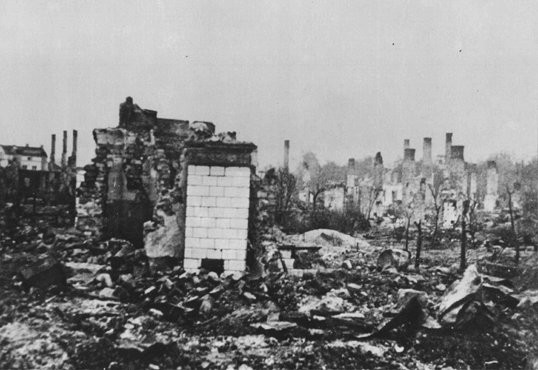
[{"x": 104, "y": 299}]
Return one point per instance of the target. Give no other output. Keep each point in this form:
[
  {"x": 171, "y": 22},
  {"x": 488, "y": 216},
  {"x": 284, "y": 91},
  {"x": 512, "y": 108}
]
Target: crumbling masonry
[{"x": 173, "y": 187}]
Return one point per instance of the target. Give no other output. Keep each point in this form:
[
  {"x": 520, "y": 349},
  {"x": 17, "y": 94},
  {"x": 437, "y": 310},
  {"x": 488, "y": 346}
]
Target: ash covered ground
[{"x": 69, "y": 302}]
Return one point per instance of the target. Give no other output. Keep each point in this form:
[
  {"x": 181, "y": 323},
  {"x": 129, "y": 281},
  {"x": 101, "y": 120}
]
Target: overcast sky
[{"x": 340, "y": 78}]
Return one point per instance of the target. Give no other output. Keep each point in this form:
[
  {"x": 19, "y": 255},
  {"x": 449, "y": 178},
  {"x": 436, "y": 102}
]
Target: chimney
[
  {"x": 74, "y": 149},
  {"x": 406, "y": 144},
  {"x": 53, "y": 149},
  {"x": 427, "y": 151},
  {"x": 64, "y": 149},
  {"x": 409, "y": 154},
  {"x": 448, "y": 147},
  {"x": 456, "y": 152},
  {"x": 378, "y": 160},
  {"x": 351, "y": 164},
  {"x": 286, "y": 155}
]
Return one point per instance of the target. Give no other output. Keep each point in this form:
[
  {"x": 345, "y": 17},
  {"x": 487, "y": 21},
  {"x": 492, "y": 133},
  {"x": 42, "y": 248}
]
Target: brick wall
[{"x": 216, "y": 225}]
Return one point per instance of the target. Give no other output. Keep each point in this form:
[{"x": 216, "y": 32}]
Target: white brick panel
[{"x": 217, "y": 216}]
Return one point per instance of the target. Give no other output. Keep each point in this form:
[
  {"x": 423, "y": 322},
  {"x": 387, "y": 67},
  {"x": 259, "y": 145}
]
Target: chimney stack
[
  {"x": 456, "y": 152},
  {"x": 64, "y": 150},
  {"x": 448, "y": 147},
  {"x": 351, "y": 164},
  {"x": 74, "y": 149},
  {"x": 53, "y": 149},
  {"x": 286, "y": 155},
  {"x": 409, "y": 154},
  {"x": 427, "y": 150},
  {"x": 406, "y": 144}
]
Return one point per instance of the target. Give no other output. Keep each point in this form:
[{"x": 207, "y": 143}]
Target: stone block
[
  {"x": 239, "y": 202},
  {"x": 208, "y": 201},
  {"x": 198, "y": 253},
  {"x": 213, "y": 254},
  {"x": 207, "y": 243},
  {"x": 201, "y": 211},
  {"x": 237, "y": 192},
  {"x": 242, "y": 182},
  {"x": 234, "y": 254},
  {"x": 199, "y": 232},
  {"x": 195, "y": 180},
  {"x": 237, "y": 244},
  {"x": 191, "y": 263},
  {"x": 238, "y": 223},
  {"x": 238, "y": 171},
  {"x": 209, "y": 181},
  {"x": 192, "y": 242},
  {"x": 216, "y": 191},
  {"x": 194, "y": 201},
  {"x": 223, "y": 223},
  {"x": 225, "y": 181},
  {"x": 206, "y": 222},
  {"x": 197, "y": 190},
  {"x": 216, "y": 171},
  {"x": 234, "y": 265},
  {"x": 222, "y": 243},
  {"x": 239, "y": 234},
  {"x": 199, "y": 170},
  {"x": 221, "y": 233}
]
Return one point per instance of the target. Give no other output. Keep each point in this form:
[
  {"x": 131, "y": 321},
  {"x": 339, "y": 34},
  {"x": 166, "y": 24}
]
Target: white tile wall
[{"x": 217, "y": 216}]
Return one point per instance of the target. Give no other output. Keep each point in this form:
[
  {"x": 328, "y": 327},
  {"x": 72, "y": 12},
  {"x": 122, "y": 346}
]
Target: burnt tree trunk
[
  {"x": 513, "y": 226},
  {"x": 463, "y": 250},
  {"x": 407, "y": 235},
  {"x": 419, "y": 244}
]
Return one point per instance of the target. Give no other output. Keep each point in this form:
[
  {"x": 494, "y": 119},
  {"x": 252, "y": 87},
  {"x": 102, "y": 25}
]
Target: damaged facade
[
  {"x": 419, "y": 185},
  {"x": 172, "y": 186},
  {"x": 28, "y": 174}
]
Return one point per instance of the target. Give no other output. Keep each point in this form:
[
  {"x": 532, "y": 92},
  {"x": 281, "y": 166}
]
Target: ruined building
[
  {"x": 27, "y": 173},
  {"x": 420, "y": 184},
  {"x": 174, "y": 187}
]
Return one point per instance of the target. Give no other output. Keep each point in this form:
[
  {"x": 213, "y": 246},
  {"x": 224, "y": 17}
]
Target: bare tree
[
  {"x": 437, "y": 208},
  {"x": 510, "y": 190},
  {"x": 463, "y": 241}
]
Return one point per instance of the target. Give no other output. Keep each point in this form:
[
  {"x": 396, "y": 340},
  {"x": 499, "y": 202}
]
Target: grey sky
[{"x": 340, "y": 78}]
